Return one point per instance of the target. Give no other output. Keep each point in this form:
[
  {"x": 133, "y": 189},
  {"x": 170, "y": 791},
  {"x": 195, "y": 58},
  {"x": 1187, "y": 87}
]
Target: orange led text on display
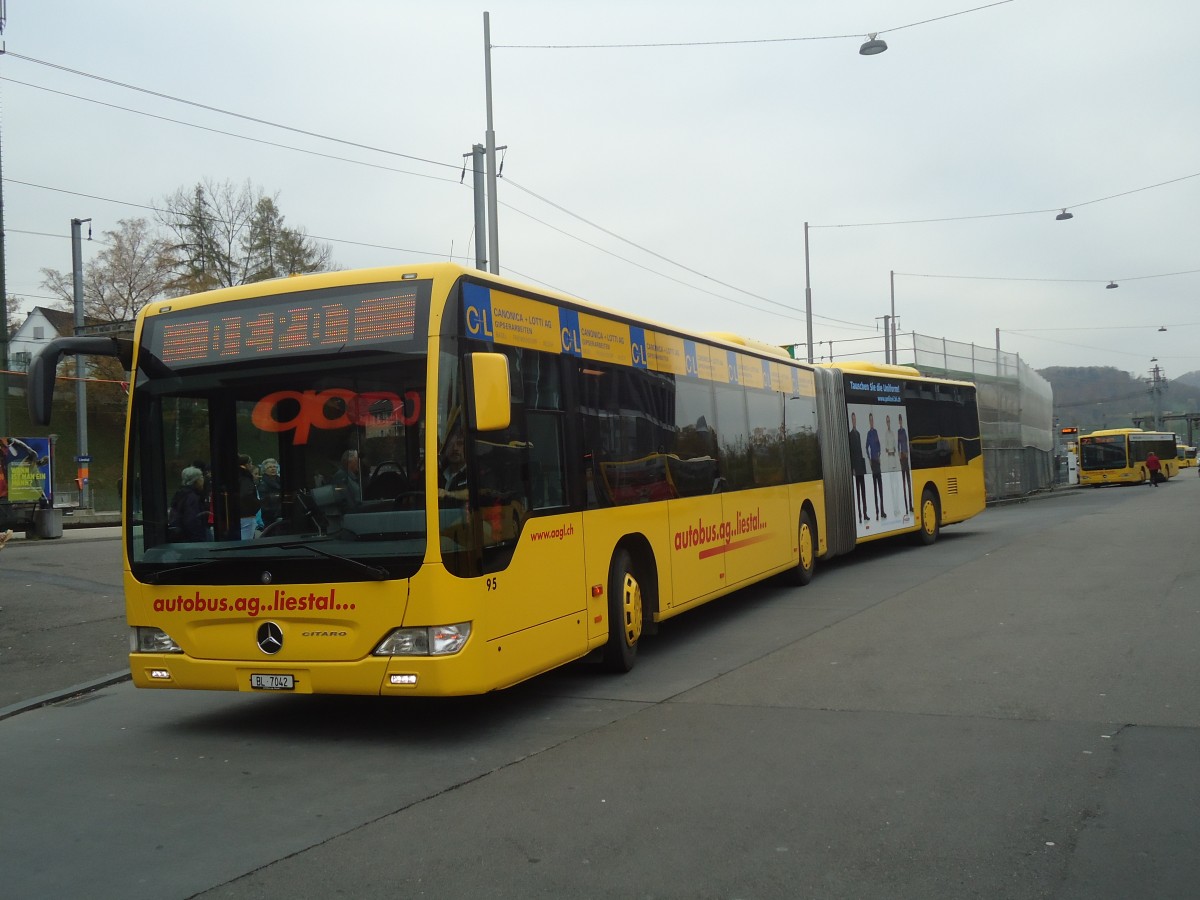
[{"x": 333, "y": 409}]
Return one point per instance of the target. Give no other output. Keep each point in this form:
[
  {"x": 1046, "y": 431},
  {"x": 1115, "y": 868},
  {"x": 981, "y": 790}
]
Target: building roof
[{"x": 63, "y": 321}]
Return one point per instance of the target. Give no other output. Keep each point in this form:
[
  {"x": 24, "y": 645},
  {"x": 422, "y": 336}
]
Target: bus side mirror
[
  {"x": 488, "y": 406},
  {"x": 42, "y": 368}
]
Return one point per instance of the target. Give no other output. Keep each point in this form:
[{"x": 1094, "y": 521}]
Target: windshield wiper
[
  {"x": 161, "y": 574},
  {"x": 378, "y": 573}
]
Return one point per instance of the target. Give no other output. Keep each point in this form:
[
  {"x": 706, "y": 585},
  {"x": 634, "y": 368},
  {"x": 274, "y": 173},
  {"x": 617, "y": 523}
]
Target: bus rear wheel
[
  {"x": 624, "y": 613},
  {"x": 931, "y": 515}
]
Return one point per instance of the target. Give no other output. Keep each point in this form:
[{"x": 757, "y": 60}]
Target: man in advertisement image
[
  {"x": 858, "y": 465},
  {"x": 891, "y": 467},
  {"x": 905, "y": 468},
  {"x": 874, "y": 457},
  {"x": 885, "y": 448}
]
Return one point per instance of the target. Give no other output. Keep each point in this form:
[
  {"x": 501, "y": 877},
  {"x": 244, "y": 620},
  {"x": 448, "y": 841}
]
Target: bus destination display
[{"x": 286, "y": 325}]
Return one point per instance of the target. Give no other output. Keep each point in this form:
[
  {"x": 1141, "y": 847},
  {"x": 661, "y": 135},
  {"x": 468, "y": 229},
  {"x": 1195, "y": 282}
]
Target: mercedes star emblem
[{"x": 270, "y": 638}]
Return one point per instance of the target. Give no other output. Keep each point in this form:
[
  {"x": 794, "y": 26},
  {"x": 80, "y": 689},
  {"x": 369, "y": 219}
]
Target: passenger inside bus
[
  {"x": 348, "y": 480},
  {"x": 453, "y": 484}
]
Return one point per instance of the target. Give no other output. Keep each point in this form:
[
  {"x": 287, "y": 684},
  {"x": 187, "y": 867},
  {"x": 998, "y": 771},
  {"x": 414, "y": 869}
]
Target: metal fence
[{"x": 1016, "y": 409}]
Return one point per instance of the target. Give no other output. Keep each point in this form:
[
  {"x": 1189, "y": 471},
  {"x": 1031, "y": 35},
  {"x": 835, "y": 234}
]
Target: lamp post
[
  {"x": 1158, "y": 384},
  {"x": 807, "y": 296},
  {"x": 892, "y": 279},
  {"x": 81, "y": 423},
  {"x": 3, "y": 300},
  {"x": 480, "y": 194},
  {"x": 490, "y": 138}
]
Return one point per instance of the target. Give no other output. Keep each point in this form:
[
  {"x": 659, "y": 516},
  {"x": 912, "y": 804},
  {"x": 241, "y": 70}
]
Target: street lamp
[{"x": 872, "y": 46}]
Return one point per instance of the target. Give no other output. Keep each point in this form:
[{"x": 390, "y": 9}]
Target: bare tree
[
  {"x": 134, "y": 267},
  {"x": 225, "y": 235},
  {"x": 275, "y": 251},
  {"x": 14, "y": 318},
  {"x": 208, "y": 224}
]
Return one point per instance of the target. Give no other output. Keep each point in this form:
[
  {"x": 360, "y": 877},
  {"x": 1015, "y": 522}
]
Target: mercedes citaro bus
[{"x": 478, "y": 481}]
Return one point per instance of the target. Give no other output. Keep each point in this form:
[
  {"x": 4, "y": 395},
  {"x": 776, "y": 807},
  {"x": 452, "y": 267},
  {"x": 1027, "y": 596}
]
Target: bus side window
[{"x": 547, "y": 475}]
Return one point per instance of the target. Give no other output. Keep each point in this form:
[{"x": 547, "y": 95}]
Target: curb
[
  {"x": 1056, "y": 491},
  {"x": 87, "y": 687}
]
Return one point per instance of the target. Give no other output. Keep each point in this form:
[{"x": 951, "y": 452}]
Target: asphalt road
[
  {"x": 1010, "y": 713},
  {"x": 62, "y": 615}
]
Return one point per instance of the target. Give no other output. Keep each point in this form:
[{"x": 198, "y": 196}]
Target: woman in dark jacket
[
  {"x": 248, "y": 504},
  {"x": 270, "y": 492},
  {"x": 188, "y": 518}
]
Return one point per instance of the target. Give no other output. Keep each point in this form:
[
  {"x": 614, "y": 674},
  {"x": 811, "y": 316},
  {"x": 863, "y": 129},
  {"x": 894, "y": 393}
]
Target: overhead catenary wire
[
  {"x": 156, "y": 209},
  {"x": 1086, "y": 346},
  {"x": 540, "y": 198},
  {"x": 223, "y": 133},
  {"x": 667, "y": 259},
  {"x": 731, "y": 42},
  {"x": 429, "y": 253},
  {"x": 259, "y": 120},
  {"x": 1003, "y": 215},
  {"x": 227, "y": 112},
  {"x": 1048, "y": 280}
]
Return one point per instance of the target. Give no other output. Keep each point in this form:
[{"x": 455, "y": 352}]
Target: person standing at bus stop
[{"x": 1154, "y": 467}]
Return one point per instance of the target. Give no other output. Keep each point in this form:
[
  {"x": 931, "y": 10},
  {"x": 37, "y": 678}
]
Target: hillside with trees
[{"x": 1094, "y": 397}]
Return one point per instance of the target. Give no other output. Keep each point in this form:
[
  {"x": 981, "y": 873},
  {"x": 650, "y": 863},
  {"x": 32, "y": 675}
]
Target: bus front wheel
[
  {"x": 802, "y": 573},
  {"x": 624, "y": 613},
  {"x": 931, "y": 515}
]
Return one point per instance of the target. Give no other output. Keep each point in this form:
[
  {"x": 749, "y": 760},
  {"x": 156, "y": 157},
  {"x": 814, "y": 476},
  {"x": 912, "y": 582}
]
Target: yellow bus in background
[
  {"x": 1118, "y": 456},
  {"x": 479, "y": 481},
  {"x": 1186, "y": 457}
]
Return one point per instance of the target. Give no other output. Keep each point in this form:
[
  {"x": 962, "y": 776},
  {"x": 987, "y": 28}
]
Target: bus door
[
  {"x": 760, "y": 530},
  {"x": 697, "y": 530},
  {"x": 696, "y": 513}
]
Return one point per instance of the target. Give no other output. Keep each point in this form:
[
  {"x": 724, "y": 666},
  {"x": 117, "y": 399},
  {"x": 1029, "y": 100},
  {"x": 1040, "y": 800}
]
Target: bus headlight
[
  {"x": 151, "y": 640},
  {"x": 436, "y": 640}
]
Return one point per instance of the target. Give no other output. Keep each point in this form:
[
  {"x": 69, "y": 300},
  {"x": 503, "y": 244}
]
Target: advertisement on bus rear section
[{"x": 879, "y": 455}]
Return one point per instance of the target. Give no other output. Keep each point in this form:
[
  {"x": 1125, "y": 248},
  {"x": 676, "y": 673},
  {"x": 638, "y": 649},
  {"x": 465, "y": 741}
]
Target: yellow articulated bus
[
  {"x": 1118, "y": 456},
  {"x": 466, "y": 482}
]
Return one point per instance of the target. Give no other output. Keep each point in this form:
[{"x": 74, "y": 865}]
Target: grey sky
[{"x": 710, "y": 156}]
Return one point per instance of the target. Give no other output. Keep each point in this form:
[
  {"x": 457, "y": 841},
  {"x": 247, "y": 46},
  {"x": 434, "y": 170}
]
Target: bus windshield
[
  {"x": 1102, "y": 452},
  {"x": 313, "y": 459}
]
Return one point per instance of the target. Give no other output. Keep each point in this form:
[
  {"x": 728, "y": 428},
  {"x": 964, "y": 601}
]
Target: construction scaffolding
[{"x": 1016, "y": 410}]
